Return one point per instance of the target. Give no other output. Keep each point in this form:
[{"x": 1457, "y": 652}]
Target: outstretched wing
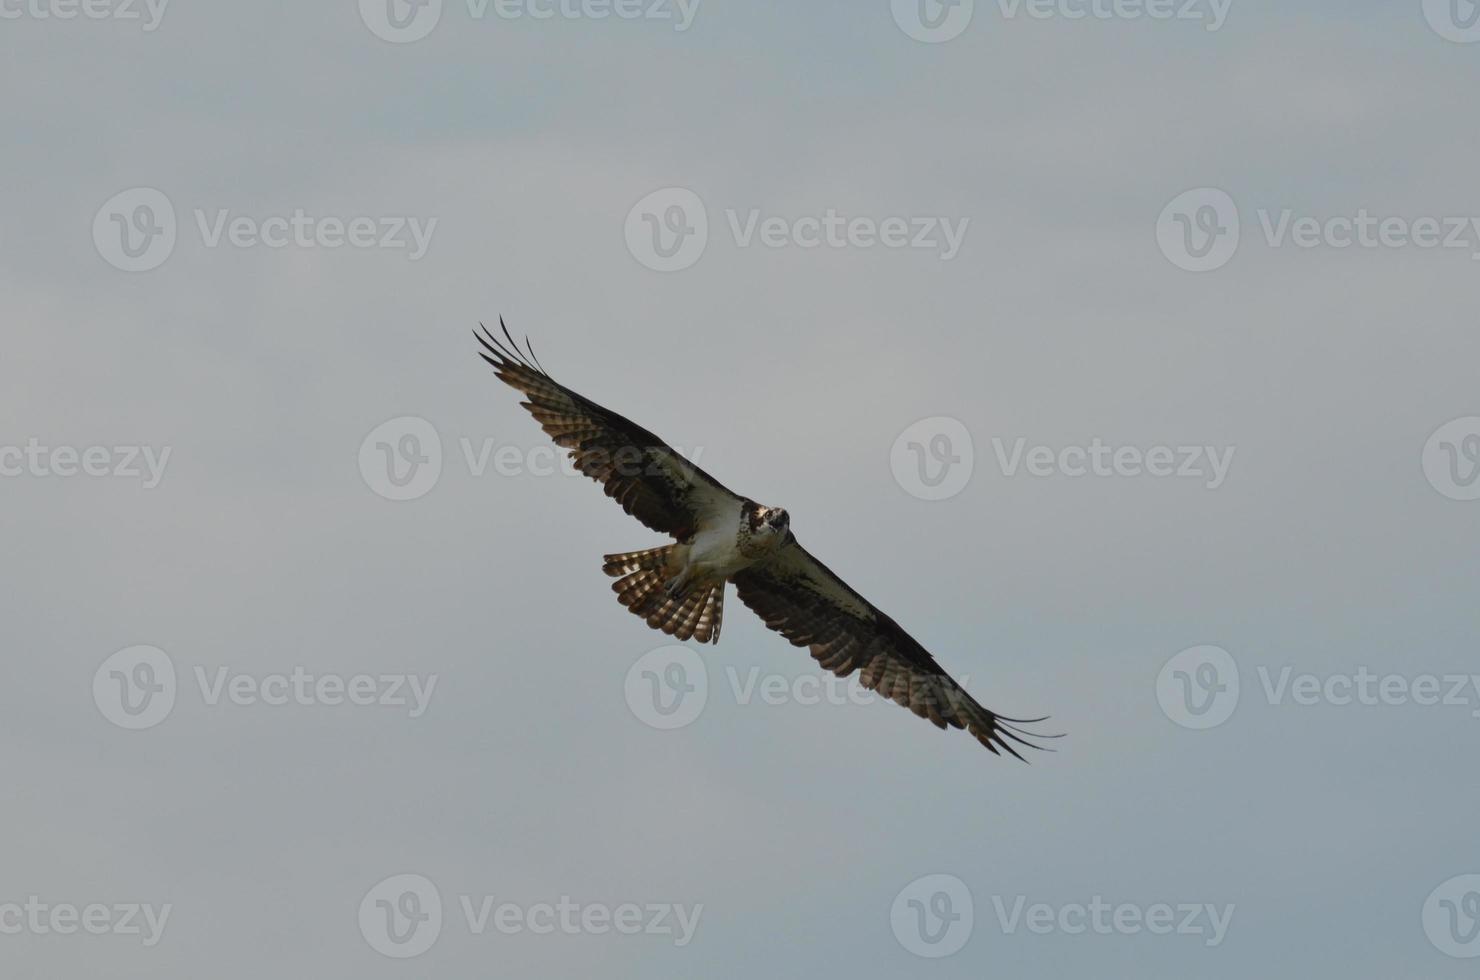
[
  {"x": 800, "y": 598},
  {"x": 638, "y": 470}
]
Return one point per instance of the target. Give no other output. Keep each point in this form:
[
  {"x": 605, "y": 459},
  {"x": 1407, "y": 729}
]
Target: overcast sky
[{"x": 1128, "y": 360}]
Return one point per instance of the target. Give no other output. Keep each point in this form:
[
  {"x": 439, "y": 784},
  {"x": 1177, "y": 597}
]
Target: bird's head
[
  {"x": 775, "y": 530},
  {"x": 767, "y": 523}
]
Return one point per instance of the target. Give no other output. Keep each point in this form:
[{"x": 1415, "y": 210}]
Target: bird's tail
[
  {"x": 641, "y": 586},
  {"x": 654, "y": 559}
]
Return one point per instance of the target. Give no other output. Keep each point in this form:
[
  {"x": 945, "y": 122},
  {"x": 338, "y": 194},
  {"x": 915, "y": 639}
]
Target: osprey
[{"x": 719, "y": 537}]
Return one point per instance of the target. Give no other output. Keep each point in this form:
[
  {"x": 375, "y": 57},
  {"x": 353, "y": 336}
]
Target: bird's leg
[{"x": 678, "y": 585}]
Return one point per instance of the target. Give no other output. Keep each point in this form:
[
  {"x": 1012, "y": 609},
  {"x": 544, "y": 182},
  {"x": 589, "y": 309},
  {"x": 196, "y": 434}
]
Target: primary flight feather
[{"x": 720, "y": 537}]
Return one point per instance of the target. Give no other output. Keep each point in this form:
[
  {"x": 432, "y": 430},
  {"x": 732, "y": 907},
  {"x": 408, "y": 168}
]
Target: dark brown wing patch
[
  {"x": 638, "y": 470},
  {"x": 800, "y": 598}
]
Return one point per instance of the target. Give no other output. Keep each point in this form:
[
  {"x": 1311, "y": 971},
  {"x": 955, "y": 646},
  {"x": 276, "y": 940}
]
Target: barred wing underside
[
  {"x": 638, "y": 470},
  {"x": 800, "y": 598}
]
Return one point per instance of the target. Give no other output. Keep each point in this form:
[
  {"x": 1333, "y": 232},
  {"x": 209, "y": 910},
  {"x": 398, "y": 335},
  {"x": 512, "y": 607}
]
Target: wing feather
[
  {"x": 647, "y": 477},
  {"x": 803, "y": 600}
]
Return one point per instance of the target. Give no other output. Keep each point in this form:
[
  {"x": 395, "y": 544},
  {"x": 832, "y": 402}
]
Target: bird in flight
[{"x": 720, "y": 537}]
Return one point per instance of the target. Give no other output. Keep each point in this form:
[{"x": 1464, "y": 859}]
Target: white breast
[{"x": 714, "y": 552}]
